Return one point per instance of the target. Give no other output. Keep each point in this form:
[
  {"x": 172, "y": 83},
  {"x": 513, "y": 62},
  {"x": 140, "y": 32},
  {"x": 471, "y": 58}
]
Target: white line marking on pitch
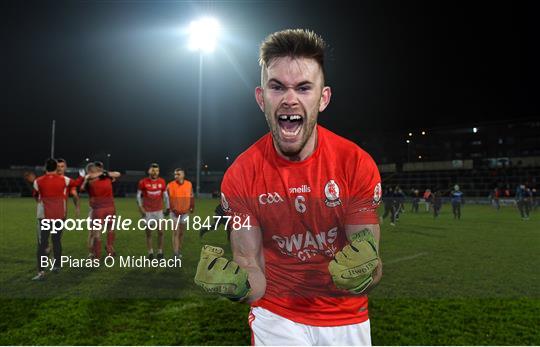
[{"x": 393, "y": 261}]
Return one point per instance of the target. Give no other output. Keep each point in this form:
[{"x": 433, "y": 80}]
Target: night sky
[{"x": 118, "y": 77}]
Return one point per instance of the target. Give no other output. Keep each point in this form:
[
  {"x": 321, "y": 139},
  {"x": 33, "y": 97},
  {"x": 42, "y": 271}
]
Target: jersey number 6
[{"x": 299, "y": 204}]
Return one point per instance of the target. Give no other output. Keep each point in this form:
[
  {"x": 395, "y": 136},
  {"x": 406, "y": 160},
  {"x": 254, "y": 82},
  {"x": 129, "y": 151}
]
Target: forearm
[
  {"x": 247, "y": 251},
  {"x": 114, "y": 174},
  {"x": 166, "y": 200},
  {"x": 256, "y": 278},
  {"x": 84, "y": 184},
  {"x": 139, "y": 199}
]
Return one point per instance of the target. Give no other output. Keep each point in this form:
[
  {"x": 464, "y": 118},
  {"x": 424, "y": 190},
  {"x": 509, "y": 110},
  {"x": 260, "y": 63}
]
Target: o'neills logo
[
  {"x": 331, "y": 191},
  {"x": 302, "y": 189}
]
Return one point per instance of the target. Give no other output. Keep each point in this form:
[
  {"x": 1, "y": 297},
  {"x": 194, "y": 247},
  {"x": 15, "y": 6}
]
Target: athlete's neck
[
  {"x": 180, "y": 181},
  {"x": 305, "y": 152}
]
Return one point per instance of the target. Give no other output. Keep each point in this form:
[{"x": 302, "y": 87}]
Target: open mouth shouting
[{"x": 290, "y": 126}]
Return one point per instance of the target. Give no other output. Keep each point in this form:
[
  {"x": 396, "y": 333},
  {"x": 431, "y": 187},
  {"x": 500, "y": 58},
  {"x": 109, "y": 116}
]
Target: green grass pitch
[{"x": 474, "y": 281}]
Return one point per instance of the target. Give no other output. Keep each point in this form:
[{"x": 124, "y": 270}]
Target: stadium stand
[{"x": 474, "y": 183}]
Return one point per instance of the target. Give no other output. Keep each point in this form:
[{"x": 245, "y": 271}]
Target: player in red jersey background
[
  {"x": 151, "y": 195},
  {"x": 98, "y": 184},
  {"x": 50, "y": 191},
  {"x": 61, "y": 170},
  {"x": 310, "y": 197}
]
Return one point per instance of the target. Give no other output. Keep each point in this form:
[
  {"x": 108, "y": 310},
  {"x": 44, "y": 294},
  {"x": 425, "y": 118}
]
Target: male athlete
[
  {"x": 50, "y": 190},
  {"x": 98, "y": 184},
  {"x": 428, "y": 199},
  {"x": 61, "y": 168},
  {"x": 306, "y": 248},
  {"x": 390, "y": 206},
  {"x": 182, "y": 203},
  {"x": 151, "y": 194},
  {"x": 456, "y": 196},
  {"x": 523, "y": 200},
  {"x": 415, "y": 200}
]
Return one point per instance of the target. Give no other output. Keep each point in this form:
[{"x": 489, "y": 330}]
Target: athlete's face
[
  {"x": 291, "y": 96},
  {"x": 153, "y": 172},
  {"x": 61, "y": 168},
  {"x": 179, "y": 176}
]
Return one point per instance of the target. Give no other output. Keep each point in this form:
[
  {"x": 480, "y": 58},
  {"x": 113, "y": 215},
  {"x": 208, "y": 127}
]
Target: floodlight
[{"x": 203, "y": 34}]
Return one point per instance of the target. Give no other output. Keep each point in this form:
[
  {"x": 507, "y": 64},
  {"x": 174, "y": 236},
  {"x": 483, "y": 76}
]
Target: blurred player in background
[
  {"x": 456, "y": 198},
  {"x": 523, "y": 201},
  {"x": 415, "y": 200},
  {"x": 389, "y": 202},
  {"x": 61, "y": 170},
  {"x": 436, "y": 200},
  {"x": 50, "y": 190},
  {"x": 182, "y": 203},
  {"x": 507, "y": 193},
  {"x": 428, "y": 198},
  {"x": 151, "y": 194},
  {"x": 305, "y": 244},
  {"x": 399, "y": 198},
  {"x": 495, "y": 196},
  {"x": 98, "y": 184}
]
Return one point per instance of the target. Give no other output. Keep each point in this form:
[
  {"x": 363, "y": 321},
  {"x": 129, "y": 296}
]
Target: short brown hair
[{"x": 294, "y": 43}]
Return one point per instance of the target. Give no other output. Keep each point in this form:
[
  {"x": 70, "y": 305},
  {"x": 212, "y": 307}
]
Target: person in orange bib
[{"x": 182, "y": 203}]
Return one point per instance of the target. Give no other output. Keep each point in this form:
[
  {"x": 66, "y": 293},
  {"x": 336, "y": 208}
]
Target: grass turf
[{"x": 452, "y": 282}]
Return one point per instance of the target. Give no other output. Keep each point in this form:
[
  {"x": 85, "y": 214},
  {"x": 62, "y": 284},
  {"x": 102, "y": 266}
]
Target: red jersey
[
  {"x": 100, "y": 191},
  {"x": 51, "y": 190},
  {"x": 302, "y": 209},
  {"x": 152, "y": 193}
]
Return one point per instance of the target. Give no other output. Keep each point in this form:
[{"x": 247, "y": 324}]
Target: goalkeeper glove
[
  {"x": 219, "y": 275},
  {"x": 352, "y": 267}
]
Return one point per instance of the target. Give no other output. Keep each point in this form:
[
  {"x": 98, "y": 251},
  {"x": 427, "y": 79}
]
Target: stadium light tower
[
  {"x": 108, "y": 161},
  {"x": 203, "y": 34}
]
